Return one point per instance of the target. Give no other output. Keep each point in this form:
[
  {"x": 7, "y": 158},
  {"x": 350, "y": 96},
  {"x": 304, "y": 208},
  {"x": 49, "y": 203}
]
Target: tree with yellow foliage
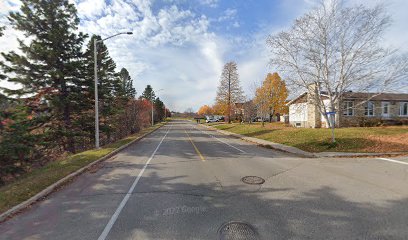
[
  {"x": 205, "y": 110},
  {"x": 271, "y": 96},
  {"x": 219, "y": 109}
]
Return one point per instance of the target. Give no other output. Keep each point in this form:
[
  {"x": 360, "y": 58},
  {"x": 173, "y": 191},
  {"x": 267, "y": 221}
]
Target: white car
[{"x": 210, "y": 120}]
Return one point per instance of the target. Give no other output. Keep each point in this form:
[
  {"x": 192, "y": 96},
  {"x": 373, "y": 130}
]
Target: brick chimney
[{"x": 314, "y": 119}]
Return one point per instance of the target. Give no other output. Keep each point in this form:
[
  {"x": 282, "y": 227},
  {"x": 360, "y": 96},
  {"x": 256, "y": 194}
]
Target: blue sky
[{"x": 181, "y": 45}]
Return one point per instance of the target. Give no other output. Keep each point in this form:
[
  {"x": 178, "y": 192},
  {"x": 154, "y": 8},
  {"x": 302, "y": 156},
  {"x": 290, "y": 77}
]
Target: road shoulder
[{"x": 76, "y": 170}]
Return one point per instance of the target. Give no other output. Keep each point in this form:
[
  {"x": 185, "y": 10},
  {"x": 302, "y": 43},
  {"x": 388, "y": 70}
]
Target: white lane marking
[
  {"x": 115, "y": 216},
  {"x": 392, "y": 160},
  {"x": 221, "y": 140}
]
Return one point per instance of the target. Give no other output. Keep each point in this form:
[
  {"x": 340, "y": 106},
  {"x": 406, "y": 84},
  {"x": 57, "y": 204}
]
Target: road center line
[
  {"x": 115, "y": 216},
  {"x": 392, "y": 160},
  {"x": 195, "y": 147},
  {"x": 221, "y": 140}
]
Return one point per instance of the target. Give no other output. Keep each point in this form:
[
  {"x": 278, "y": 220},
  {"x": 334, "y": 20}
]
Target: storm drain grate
[
  {"x": 252, "y": 180},
  {"x": 237, "y": 231}
]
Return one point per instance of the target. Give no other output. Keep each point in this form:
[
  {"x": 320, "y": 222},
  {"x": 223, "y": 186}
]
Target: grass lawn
[
  {"x": 212, "y": 123},
  {"x": 34, "y": 182},
  {"x": 358, "y": 139}
]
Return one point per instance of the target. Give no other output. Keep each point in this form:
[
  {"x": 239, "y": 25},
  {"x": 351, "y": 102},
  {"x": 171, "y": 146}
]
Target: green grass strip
[
  {"x": 355, "y": 139},
  {"x": 33, "y": 182}
]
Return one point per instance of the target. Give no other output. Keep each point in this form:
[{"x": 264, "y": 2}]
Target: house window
[
  {"x": 348, "y": 108},
  {"x": 385, "y": 106},
  {"x": 369, "y": 109},
  {"x": 404, "y": 109}
]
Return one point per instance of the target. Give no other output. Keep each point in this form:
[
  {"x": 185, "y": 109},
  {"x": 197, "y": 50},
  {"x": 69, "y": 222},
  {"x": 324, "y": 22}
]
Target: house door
[{"x": 385, "y": 106}]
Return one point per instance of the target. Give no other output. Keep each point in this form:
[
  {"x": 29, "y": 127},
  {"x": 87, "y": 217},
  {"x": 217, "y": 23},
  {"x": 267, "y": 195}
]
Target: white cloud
[
  {"x": 169, "y": 26},
  {"x": 189, "y": 73},
  {"x": 228, "y": 14},
  {"x": 91, "y": 8},
  {"x": 209, "y": 3},
  {"x": 9, "y": 40},
  {"x": 170, "y": 49},
  {"x": 9, "y": 5}
]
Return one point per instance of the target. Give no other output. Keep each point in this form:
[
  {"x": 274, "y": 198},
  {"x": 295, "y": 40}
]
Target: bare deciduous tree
[
  {"x": 249, "y": 111},
  {"x": 229, "y": 91},
  {"x": 337, "y": 48},
  {"x": 261, "y": 104}
]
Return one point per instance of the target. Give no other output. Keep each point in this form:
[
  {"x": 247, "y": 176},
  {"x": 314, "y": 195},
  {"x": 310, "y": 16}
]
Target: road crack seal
[{"x": 282, "y": 172}]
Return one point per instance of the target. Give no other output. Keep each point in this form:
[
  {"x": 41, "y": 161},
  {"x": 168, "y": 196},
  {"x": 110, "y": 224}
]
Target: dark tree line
[
  {"x": 160, "y": 111},
  {"x": 52, "y": 111}
]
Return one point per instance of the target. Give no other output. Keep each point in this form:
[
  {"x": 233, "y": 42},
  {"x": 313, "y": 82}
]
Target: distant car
[
  {"x": 259, "y": 119},
  {"x": 220, "y": 118},
  {"x": 210, "y": 120}
]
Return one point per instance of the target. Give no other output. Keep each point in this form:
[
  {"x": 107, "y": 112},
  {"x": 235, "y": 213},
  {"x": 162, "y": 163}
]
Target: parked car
[
  {"x": 259, "y": 119},
  {"x": 219, "y": 118},
  {"x": 210, "y": 120}
]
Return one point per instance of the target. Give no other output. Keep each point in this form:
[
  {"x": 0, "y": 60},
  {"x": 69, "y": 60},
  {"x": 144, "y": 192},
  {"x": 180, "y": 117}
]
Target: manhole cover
[
  {"x": 237, "y": 231},
  {"x": 252, "y": 180}
]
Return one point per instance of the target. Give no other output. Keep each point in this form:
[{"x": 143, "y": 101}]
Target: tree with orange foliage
[
  {"x": 271, "y": 96},
  {"x": 205, "y": 110}
]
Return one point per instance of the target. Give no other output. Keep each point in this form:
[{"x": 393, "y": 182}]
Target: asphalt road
[{"x": 184, "y": 182}]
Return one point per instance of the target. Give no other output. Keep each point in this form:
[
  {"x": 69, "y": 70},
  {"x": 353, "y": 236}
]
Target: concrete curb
[
  {"x": 347, "y": 154},
  {"x": 268, "y": 144},
  {"x": 44, "y": 193}
]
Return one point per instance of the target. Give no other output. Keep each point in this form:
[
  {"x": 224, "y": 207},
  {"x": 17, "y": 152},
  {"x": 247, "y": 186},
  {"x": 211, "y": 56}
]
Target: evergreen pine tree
[
  {"x": 126, "y": 87},
  {"x": 159, "y": 108},
  {"x": 148, "y": 93},
  {"x": 48, "y": 66},
  {"x": 17, "y": 145}
]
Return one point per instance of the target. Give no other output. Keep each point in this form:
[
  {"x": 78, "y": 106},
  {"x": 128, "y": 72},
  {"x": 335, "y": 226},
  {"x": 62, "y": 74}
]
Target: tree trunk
[
  {"x": 229, "y": 97},
  {"x": 332, "y": 132}
]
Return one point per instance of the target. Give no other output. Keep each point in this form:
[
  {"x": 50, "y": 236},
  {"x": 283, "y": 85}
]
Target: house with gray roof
[{"x": 354, "y": 109}]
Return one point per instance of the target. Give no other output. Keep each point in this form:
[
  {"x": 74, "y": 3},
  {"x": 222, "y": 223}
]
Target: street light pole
[
  {"x": 96, "y": 96},
  {"x": 96, "y": 85},
  {"x": 165, "y": 113},
  {"x": 152, "y": 112}
]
